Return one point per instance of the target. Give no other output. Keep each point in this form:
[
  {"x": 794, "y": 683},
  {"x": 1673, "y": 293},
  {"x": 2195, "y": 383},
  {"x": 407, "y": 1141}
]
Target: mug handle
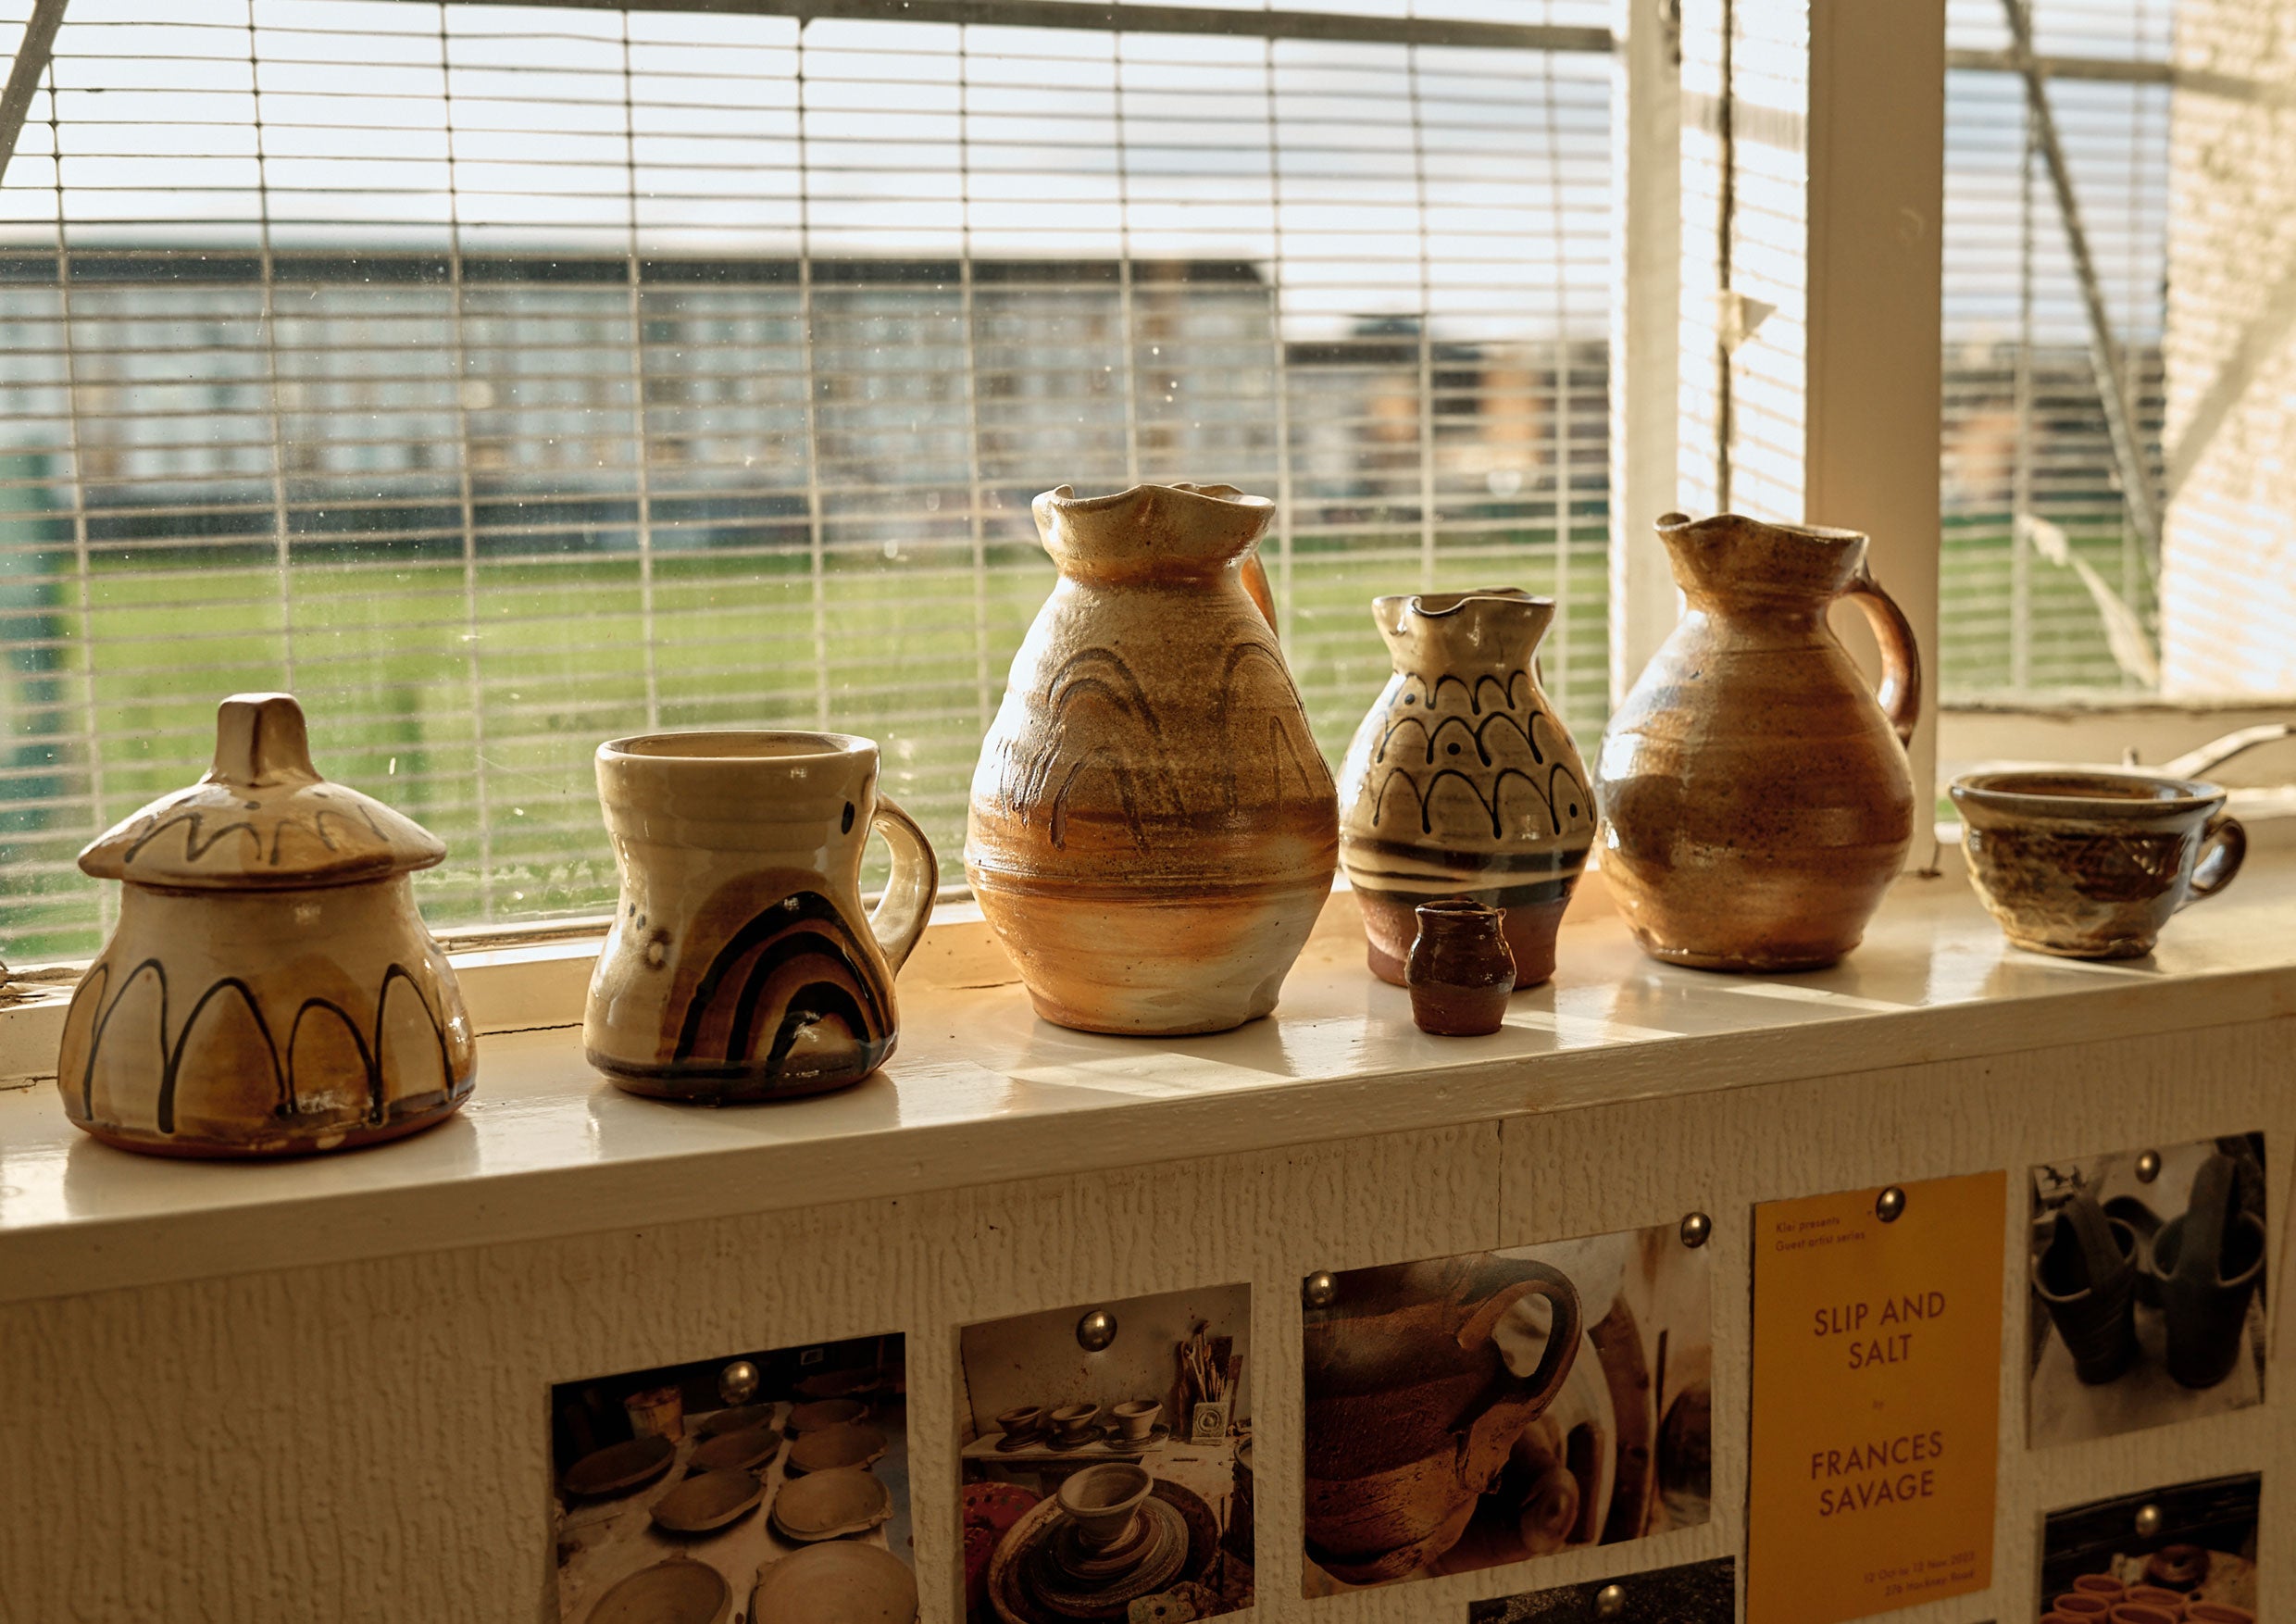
[
  {"x": 898, "y": 920},
  {"x": 1900, "y": 693},
  {"x": 2224, "y": 843}
]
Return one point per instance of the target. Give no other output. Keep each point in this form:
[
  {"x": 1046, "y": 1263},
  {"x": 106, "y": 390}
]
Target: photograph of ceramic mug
[
  {"x": 2091, "y": 864},
  {"x": 742, "y": 965}
]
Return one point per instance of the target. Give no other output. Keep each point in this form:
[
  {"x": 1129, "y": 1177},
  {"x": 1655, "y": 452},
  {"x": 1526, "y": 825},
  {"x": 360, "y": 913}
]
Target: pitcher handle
[
  {"x": 2224, "y": 843},
  {"x": 1900, "y": 693},
  {"x": 898, "y": 920},
  {"x": 1533, "y": 1278}
]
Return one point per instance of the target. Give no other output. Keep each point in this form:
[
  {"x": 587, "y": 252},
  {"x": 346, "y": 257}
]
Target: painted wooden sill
[{"x": 980, "y": 1092}]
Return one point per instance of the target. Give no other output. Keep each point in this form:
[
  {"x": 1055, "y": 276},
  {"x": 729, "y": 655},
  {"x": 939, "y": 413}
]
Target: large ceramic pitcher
[
  {"x": 1411, "y": 1407},
  {"x": 742, "y": 965},
  {"x": 1462, "y": 780},
  {"x": 1757, "y": 796},
  {"x": 1151, "y": 830}
]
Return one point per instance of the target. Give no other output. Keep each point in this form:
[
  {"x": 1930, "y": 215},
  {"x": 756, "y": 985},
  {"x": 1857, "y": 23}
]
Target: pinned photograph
[
  {"x": 2183, "y": 1551},
  {"x": 1696, "y": 1592},
  {"x": 764, "y": 1484},
  {"x": 2148, "y": 1288},
  {"x": 1105, "y": 1469},
  {"x": 1474, "y": 1411}
]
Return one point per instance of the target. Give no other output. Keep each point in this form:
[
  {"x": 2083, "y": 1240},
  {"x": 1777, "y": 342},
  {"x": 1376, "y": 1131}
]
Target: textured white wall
[{"x": 368, "y": 1441}]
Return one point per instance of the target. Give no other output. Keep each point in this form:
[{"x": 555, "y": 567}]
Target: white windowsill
[{"x": 982, "y": 1092}]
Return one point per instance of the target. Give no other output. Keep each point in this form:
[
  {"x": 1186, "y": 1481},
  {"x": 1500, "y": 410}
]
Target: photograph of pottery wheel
[
  {"x": 819, "y": 1415},
  {"x": 830, "y": 1504},
  {"x": 620, "y": 1467},
  {"x": 1102, "y": 1472},
  {"x": 691, "y": 1465},
  {"x": 847, "y": 1443},
  {"x": 676, "y": 1591},
  {"x": 839, "y": 1584},
  {"x": 749, "y": 1448}
]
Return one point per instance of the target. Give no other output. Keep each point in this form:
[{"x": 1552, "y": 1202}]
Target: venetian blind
[
  {"x": 499, "y": 380},
  {"x": 2048, "y": 581}
]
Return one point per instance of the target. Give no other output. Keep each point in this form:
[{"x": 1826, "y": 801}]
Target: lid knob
[{"x": 261, "y": 741}]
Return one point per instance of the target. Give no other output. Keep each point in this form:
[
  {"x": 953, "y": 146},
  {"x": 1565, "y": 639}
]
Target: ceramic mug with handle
[{"x": 741, "y": 964}]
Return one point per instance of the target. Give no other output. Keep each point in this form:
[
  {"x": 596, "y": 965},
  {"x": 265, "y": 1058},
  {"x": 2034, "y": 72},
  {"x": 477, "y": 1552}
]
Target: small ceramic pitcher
[
  {"x": 2209, "y": 1261},
  {"x": 1460, "y": 970},
  {"x": 742, "y": 965},
  {"x": 2087, "y": 1278}
]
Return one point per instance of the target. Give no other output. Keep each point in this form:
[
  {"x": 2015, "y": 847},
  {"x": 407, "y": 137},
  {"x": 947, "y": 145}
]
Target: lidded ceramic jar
[{"x": 270, "y": 987}]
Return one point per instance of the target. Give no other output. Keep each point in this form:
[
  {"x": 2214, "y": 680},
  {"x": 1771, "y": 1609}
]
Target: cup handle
[
  {"x": 2224, "y": 843},
  {"x": 1532, "y": 1279},
  {"x": 1899, "y": 694},
  {"x": 898, "y": 920}
]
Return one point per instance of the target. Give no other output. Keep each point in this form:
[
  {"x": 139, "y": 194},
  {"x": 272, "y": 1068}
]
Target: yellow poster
[{"x": 1877, "y": 1400}]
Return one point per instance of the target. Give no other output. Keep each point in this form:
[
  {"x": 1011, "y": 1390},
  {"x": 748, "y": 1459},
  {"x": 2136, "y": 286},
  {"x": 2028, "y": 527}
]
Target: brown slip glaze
[
  {"x": 271, "y": 988},
  {"x": 1151, "y": 830},
  {"x": 2091, "y": 865},
  {"x": 1411, "y": 1410},
  {"x": 1459, "y": 970},
  {"x": 1755, "y": 796},
  {"x": 1462, "y": 780}
]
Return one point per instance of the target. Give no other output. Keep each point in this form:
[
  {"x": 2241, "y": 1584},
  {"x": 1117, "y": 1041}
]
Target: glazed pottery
[
  {"x": 1459, "y": 970},
  {"x": 746, "y": 1447},
  {"x": 1756, "y": 798},
  {"x": 2180, "y": 1566},
  {"x": 847, "y": 1443},
  {"x": 2087, "y": 1278},
  {"x": 2208, "y": 1261},
  {"x": 2090, "y": 865},
  {"x": 1102, "y": 1500},
  {"x": 708, "y": 1501},
  {"x": 742, "y": 965},
  {"x": 1136, "y": 1417},
  {"x": 1410, "y": 1409},
  {"x": 269, "y": 988},
  {"x": 828, "y": 1505},
  {"x": 676, "y": 1591},
  {"x": 1462, "y": 780},
  {"x": 1151, "y": 830},
  {"x": 825, "y": 1413},
  {"x": 841, "y": 1582},
  {"x": 620, "y": 1466}
]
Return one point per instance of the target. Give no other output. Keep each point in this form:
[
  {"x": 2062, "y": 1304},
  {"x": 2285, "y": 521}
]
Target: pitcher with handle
[
  {"x": 1411, "y": 1407},
  {"x": 1757, "y": 796},
  {"x": 742, "y": 965}
]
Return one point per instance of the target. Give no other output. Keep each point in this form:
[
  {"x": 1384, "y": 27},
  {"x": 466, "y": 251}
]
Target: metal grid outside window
[{"x": 500, "y": 380}]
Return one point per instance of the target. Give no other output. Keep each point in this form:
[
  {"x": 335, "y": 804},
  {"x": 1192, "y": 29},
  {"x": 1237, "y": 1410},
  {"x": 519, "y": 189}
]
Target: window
[{"x": 502, "y": 380}]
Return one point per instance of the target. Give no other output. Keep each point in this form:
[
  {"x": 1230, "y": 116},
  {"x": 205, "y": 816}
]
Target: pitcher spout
[
  {"x": 1150, "y": 530},
  {"x": 1483, "y": 629},
  {"x": 1731, "y": 555}
]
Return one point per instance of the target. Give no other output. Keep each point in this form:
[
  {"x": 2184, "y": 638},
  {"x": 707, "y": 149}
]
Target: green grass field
[{"x": 474, "y": 702}]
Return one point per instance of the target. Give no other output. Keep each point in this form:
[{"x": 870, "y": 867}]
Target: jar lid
[{"x": 263, "y": 819}]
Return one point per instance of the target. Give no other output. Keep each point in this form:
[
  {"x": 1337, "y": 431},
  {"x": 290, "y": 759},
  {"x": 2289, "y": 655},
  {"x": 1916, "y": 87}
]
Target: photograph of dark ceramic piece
[
  {"x": 695, "y": 1493},
  {"x": 1696, "y": 1592},
  {"x": 2148, "y": 1289},
  {"x": 2180, "y": 1554},
  {"x": 1105, "y": 1470},
  {"x": 1470, "y": 1412}
]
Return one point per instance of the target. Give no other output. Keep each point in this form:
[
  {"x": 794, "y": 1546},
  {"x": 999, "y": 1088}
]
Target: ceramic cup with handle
[
  {"x": 742, "y": 965},
  {"x": 2091, "y": 864}
]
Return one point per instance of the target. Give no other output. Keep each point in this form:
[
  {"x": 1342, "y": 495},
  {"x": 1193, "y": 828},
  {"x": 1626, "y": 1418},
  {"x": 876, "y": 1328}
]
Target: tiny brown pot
[
  {"x": 2139, "y": 1613},
  {"x": 2087, "y": 1604},
  {"x": 1460, "y": 969},
  {"x": 2098, "y": 1584}
]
